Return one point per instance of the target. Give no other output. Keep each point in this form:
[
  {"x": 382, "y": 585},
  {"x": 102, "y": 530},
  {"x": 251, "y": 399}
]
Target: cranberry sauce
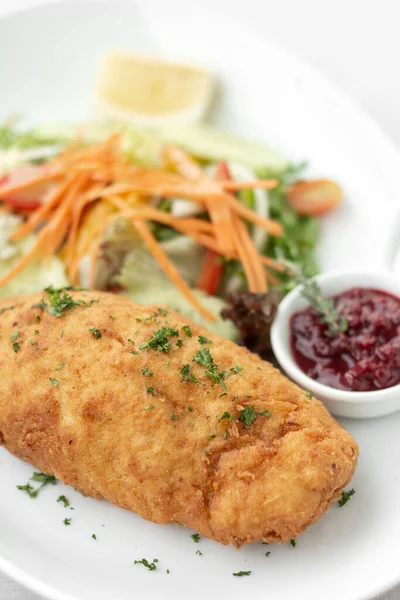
[{"x": 364, "y": 358}]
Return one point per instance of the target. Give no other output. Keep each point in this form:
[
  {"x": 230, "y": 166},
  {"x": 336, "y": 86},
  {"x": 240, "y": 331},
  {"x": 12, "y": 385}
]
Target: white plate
[{"x": 52, "y": 54}]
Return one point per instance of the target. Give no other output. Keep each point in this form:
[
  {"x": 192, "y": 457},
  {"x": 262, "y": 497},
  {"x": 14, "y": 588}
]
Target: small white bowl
[{"x": 361, "y": 405}]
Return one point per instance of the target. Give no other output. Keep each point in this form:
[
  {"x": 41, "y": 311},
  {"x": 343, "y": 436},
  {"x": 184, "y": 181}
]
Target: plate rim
[{"x": 344, "y": 100}]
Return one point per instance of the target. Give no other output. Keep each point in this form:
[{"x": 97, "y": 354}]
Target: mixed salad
[{"x": 186, "y": 216}]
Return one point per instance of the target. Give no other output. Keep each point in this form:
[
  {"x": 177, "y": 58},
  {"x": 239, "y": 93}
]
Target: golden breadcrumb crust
[{"x": 155, "y": 444}]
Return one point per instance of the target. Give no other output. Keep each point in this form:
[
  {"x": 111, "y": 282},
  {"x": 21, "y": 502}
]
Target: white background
[{"x": 356, "y": 43}]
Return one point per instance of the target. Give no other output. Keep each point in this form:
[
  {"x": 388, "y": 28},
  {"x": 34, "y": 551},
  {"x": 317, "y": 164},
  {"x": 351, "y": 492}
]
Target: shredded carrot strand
[
  {"x": 169, "y": 269},
  {"x": 263, "y": 184}
]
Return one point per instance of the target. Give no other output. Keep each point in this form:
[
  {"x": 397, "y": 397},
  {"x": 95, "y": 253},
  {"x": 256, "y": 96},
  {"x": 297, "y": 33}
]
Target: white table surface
[{"x": 354, "y": 42}]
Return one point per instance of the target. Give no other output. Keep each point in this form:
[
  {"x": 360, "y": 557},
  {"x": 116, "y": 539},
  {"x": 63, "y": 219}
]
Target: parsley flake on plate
[
  {"x": 293, "y": 543},
  {"x": 195, "y": 537},
  {"x": 64, "y": 500},
  {"x": 346, "y": 497},
  {"x": 151, "y": 566},
  {"x": 67, "y": 522},
  {"x": 37, "y": 477},
  {"x": 241, "y": 574}
]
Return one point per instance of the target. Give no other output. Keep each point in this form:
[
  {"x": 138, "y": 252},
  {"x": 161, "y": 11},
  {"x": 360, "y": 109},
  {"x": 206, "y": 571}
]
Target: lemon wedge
[{"x": 151, "y": 92}]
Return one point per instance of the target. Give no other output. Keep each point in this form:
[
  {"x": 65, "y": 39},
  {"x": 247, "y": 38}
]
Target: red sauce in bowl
[{"x": 364, "y": 358}]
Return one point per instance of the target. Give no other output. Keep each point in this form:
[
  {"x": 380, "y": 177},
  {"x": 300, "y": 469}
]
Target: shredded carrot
[
  {"x": 81, "y": 176},
  {"x": 169, "y": 269},
  {"x": 263, "y": 184}
]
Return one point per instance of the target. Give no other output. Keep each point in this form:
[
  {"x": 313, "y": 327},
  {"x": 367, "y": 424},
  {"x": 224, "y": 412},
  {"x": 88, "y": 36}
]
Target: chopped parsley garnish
[
  {"x": 54, "y": 382},
  {"x": 135, "y": 352},
  {"x": 16, "y": 347},
  {"x": 37, "y": 331},
  {"x": 151, "y": 566},
  {"x": 346, "y": 497},
  {"x": 173, "y": 417},
  {"x": 188, "y": 330},
  {"x": 226, "y": 415},
  {"x": 67, "y": 522},
  {"x": 60, "y": 302},
  {"x": 216, "y": 376},
  {"x": 309, "y": 395},
  {"x": 151, "y": 390},
  {"x": 64, "y": 500},
  {"x": 190, "y": 408},
  {"x": 14, "y": 336},
  {"x": 224, "y": 435},
  {"x": 203, "y": 357},
  {"x": 42, "y": 305},
  {"x": 212, "y": 436},
  {"x": 293, "y": 543},
  {"x": 94, "y": 536},
  {"x": 163, "y": 311},
  {"x": 179, "y": 343},
  {"x": 159, "y": 340},
  {"x": 95, "y": 332},
  {"x": 3, "y": 310},
  {"x": 203, "y": 340},
  {"x": 222, "y": 395},
  {"x": 195, "y": 537},
  {"x": 267, "y": 554},
  {"x": 41, "y": 478},
  {"x": 199, "y": 553},
  {"x": 147, "y": 372},
  {"x": 60, "y": 366},
  {"x": 187, "y": 375},
  {"x": 33, "y": 343},
  {"x": 248, "y": 415},
  {"x": 237, "y": 369},
  {"x": 242, "y": 573},
  {"x": 149, "y": 407}
]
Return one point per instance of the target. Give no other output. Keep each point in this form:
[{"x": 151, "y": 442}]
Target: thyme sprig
[{"x": 325, "y": 307}]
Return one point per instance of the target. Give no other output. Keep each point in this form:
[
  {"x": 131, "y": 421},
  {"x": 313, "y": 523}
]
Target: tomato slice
[
  {"x": 212, "y": 268},
  {"x": 315, "y": 197},
  {"x": 210, "y": 274},
  {"x": 27, "y": 200}
]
